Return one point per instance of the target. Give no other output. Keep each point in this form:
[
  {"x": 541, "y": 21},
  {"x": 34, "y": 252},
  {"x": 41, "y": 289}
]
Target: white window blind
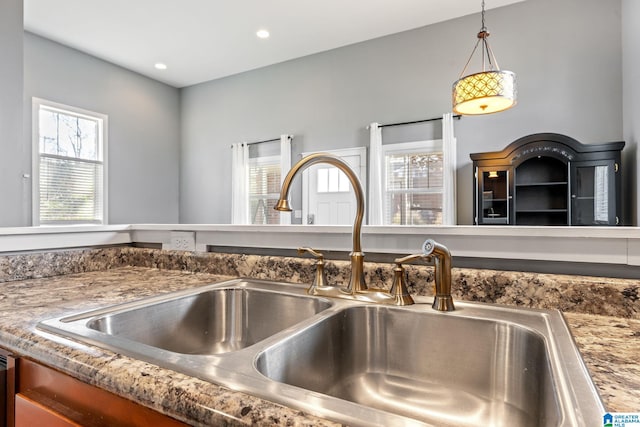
[
  {"x": 70, "y": 169},
  {"x": 264, "y": 189},
  {"x": 413, "y": 183}
]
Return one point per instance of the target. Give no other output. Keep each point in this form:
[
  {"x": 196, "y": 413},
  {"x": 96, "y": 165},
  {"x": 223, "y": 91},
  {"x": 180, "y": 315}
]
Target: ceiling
[{"x": 201, "y": 40}]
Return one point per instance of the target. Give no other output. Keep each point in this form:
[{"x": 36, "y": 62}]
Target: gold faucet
[{"x": 356, "y": 288}]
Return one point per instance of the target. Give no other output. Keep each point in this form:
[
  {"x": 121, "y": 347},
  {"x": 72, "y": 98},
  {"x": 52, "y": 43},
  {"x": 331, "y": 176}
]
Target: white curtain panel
[
  {"x": 239, "y": 183},
  {"x": 449, "y": 159},
  {"x": 376, "y": 174},
  {"x": 285, "y": 165}
]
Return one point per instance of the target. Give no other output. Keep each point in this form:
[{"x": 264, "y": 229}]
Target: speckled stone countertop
[{"x": 603, "y": 314}]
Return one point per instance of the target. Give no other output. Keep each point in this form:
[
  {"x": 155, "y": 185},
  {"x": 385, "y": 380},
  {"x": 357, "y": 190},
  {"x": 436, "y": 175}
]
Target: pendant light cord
[{"x": 485, "y": 50}]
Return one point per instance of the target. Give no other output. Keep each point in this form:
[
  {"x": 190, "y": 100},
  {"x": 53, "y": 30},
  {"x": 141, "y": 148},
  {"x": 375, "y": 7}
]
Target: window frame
[
  {"x": 408, "y": 148},
  {"x": 102, "y": 135}
]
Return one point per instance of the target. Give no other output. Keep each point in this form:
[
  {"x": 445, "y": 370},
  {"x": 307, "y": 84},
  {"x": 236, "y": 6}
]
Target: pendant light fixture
[{"x": 489, "y": 91}]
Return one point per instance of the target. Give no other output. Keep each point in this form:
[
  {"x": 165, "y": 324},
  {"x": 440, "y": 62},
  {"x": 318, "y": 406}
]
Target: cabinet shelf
[
  {"x": 540, "y": 184},
  {"x": 541, "y": 211}
]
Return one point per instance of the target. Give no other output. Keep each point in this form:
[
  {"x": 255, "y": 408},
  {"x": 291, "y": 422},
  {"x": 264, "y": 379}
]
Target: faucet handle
[
  {"x": 399, "y": 288},
  {"x": 312, "y": 251},
  {"x": 320, "y": 279},
  {"x": 411, "y": 258}
]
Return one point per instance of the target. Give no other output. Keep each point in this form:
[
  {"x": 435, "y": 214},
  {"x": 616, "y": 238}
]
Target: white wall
[
  {"x": 12, "y": 203},
  {"x": 144, "y": 115},
  {"x": 567, "y": 54},
  {"x": 631, "y": 102}
]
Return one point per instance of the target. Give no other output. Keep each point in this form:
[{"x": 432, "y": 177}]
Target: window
[
  {"x": 332, "y": 180},
  {"x": 264, "y": 189},
  {"x": 257, "y": 171},
  {"x": 69, "y": 165},
  {"x": 413, "y": 183}
]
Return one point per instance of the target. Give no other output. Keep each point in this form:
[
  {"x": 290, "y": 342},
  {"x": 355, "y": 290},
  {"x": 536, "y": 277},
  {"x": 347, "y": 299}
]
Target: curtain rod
[
  {"x": 457, "y": 116},
  {"x": 266, "y": 140},
  {"x": 262, "y": 142}
]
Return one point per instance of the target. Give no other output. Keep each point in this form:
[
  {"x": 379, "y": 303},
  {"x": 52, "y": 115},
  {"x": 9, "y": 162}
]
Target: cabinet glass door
[
  {"x": 593, "y": 193},
  {"x": 493, "y": 196}
]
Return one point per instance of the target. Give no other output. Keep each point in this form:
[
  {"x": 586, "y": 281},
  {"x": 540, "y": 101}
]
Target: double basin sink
[{"x": 357, "y": 363}]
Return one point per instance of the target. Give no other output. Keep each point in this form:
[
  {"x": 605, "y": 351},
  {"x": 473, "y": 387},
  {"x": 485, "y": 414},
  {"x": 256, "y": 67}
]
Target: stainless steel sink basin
[
  {"x": 435, "y": 368},
  {"x": 206, "y": 321},
  {"x": 356, "y": 363},
  {"x": 211, "y": 322}
]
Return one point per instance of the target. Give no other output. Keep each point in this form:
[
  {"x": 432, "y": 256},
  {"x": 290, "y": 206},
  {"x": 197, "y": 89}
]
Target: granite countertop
[{"x": 610, "y": 347}]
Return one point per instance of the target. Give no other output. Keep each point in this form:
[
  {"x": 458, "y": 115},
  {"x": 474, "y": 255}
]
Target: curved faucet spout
[
  {"x": 312, "y": 159},
  {"x": 356, "y": 283}
]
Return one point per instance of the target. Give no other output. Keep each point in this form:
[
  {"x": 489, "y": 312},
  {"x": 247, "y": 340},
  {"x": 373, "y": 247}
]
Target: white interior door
[{"x": 327, "y": 195}]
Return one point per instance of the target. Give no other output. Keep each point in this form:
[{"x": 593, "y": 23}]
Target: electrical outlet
[{"x": 181, "y": 241}]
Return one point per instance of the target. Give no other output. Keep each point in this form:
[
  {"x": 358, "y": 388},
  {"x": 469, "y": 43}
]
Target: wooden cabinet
[
  {"x": 35, "y": 412},
  {"x": 41, "y": 396},
  {"x": 548, "y": 179}
]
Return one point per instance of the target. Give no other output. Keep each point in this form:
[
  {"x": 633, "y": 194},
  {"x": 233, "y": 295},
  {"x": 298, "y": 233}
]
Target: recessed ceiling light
[
  {"x": 160, "y": 66},
  {"x": 263, "y": 34}
]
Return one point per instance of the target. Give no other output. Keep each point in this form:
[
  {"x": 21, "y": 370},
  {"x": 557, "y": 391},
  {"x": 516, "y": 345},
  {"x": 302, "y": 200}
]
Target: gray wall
[
  {"x": 144, "y": 125},
  {"x": 327, "y": 99},
  {"x": 12, "y": 203},
  {"x": 631, "y": 102}
]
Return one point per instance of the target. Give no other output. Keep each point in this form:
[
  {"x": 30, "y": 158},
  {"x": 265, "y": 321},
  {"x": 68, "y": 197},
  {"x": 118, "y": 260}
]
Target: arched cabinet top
[{"x": 555, "y": 145}]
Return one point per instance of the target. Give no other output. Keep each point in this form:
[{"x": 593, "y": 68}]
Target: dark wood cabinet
[{"x": 548, "y": 179}]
